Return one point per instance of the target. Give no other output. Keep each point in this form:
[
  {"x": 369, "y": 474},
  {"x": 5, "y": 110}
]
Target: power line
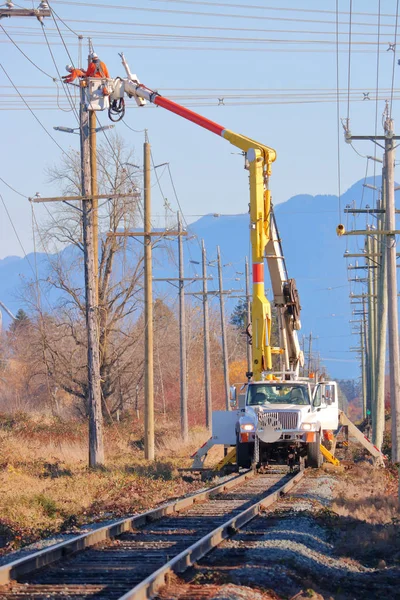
[
  {"x": 202, "y": 14},
  {"x": 349, "y": 64},
  {"x": 64, "y": 85},
  {"x": 13, "y": 189},
  {"x": 31, "y": 111},
  {"x": 394, "y": 59},
  {"x": 338, "y": 111},
  {"x": 186, "y": 27},
  {"x": 377, "y": 85},
  {"x": 25, "y": 55},
  {"x": 16, "y": 233},
  {"x": 272, "y": 8},
  {"x": 208, "y": 38}
]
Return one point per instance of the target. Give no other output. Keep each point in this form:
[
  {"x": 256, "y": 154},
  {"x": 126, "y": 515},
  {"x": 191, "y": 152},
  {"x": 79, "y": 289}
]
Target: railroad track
[{"x": 132, "y": 558}]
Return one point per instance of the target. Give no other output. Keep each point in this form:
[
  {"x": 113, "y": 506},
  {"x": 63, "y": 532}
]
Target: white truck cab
[{"x": 285, "y": 417}]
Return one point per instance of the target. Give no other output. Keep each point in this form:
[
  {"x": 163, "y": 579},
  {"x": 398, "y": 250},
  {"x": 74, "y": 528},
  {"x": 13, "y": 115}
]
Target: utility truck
[
  {"x": 281, "y": 418},
  {"x": 278, "y": 413}
]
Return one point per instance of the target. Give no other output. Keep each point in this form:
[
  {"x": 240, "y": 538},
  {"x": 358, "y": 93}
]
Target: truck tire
[
  {"x": 314, "y": 456},
  {"x": 243, "y": 454}
]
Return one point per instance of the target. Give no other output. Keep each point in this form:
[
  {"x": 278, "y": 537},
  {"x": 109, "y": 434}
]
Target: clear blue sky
[{"x": 286, "y": 57}]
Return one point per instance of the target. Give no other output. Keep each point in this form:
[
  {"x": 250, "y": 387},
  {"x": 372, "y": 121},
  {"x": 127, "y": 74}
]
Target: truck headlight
[
  {"x": 306, "y": 426},
  {"x": 247, "y": 427}
]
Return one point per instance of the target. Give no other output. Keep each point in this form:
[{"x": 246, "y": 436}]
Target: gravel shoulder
[{"x": 295, "y": 550}]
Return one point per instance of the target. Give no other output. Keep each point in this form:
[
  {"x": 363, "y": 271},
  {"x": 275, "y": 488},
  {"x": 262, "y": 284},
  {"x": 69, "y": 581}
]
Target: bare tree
[{"x": 119, "y": 282}]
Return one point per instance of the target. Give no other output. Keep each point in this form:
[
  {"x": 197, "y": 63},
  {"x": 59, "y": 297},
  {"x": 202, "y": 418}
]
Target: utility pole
[
  {"x": 248, "y": 317},
  {"x": 393, "y": 323},
  {"x": 206, "y": 337},
  {"x": 96, "y": 445},
  {"x": 95, "y": 201},
  {"x": 378, "y": 409},
  {"x": 367, "y": 357},
  {"x": 148, "y": 311},
  {"x": 371, "y": 325},
  {"x": 182, "y": 338},
  {"x": 309, "y": 353},
  {"x": 363, "y": 371},
  {"x": 389, "y": 237},
  {"x": 223, "y": 331}
]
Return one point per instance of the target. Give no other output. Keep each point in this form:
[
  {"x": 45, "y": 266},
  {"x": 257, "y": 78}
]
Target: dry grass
[
  {"x": 45, "y": 486},
  {"x": 367, "y": 522},
  {"x": 367, "y": 494}
]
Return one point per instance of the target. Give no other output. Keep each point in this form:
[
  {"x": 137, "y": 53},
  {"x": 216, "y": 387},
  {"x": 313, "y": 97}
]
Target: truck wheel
[
  {"x": 243, "y": 455},
  {"x": 314, "y": 456}
]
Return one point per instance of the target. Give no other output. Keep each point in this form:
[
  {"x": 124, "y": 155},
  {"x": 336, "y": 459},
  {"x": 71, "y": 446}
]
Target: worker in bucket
[
  {"x": 97, "y": 68},
  {"x": 72, "y": 74}
]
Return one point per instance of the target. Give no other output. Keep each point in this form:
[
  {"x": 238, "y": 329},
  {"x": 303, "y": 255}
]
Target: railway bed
[{"x": 132, "y": 559}]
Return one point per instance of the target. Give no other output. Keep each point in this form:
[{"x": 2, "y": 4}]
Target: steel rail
[
  {"x": 149, "y": 586},
  {"x": 47, "y": 556}
]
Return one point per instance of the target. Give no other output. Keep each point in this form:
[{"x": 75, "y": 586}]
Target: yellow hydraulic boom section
[{"x": 259, "y": 159}]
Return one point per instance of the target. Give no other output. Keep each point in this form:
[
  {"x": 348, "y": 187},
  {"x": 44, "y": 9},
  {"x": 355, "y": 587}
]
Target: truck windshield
[{"x": 282, "y": 393}]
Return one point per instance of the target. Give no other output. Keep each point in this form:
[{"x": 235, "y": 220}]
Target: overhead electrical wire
[
  {"x": 216, "y": 39},
  {"x": 394, "y": 59},
  {"x": 202, "y": 14},
  {"x": 261, "y": 7},
  {"x": 220, "y": 49},
  {"x": 119, "y": 24},
  {"x": 338, "y": 113},
  {"x": 31, "y": 111},
  {"x": 13, "y": 189},
  {"x": 349, "y": 64},
  {"x": 64, "y": 85},
  {"x": 16, "y": 233},
  {"x": 26, "y": 56},
  {"x": 377, "y": 84}
]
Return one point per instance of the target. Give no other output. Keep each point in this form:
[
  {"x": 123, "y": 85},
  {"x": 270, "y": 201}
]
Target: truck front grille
[{"x": 288, "y": 420}]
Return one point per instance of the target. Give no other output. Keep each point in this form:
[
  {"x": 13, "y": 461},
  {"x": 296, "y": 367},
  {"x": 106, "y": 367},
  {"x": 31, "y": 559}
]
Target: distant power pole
[
  {"x": 182, "y": 338},
  {"x": 148, "y": 312},
  {"x": 309, "y": 353},
  {"x": 378, "y": 408},
  {"x": 206, "y": 337},
  {"x": 223, "y": 331},
  {"x": 371, "y": 322}
]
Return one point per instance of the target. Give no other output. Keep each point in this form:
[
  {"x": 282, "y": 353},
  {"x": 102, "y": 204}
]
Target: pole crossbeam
[
  {"x": 80, "y": 198},
  {"x": 39, "y": 13},
  {"x": 147, "y": 233}
]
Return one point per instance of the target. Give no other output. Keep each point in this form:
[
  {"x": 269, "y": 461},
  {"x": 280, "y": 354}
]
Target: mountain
[{"x": 313, "y": 252}]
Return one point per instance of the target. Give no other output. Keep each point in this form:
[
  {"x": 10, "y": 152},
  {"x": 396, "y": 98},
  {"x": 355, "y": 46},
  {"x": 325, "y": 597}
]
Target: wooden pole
[
  {"x": 393, "y": 321},
  {"x": 96, "y": 446},
  {"x": 94, "y": 192},
  {"x": 182, "y": 338},
  {"x": 206, "y": 338},
  {"x": 148, "y": 312},
  {"x": 371, "y": 329},
  {"x": 378, "y": 412},
  {"x": 223, "y": 331}
]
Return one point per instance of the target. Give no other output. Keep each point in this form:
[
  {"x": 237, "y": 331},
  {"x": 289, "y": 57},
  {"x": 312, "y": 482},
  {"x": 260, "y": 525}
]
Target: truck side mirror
[{"x": 232, "y": 395}]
